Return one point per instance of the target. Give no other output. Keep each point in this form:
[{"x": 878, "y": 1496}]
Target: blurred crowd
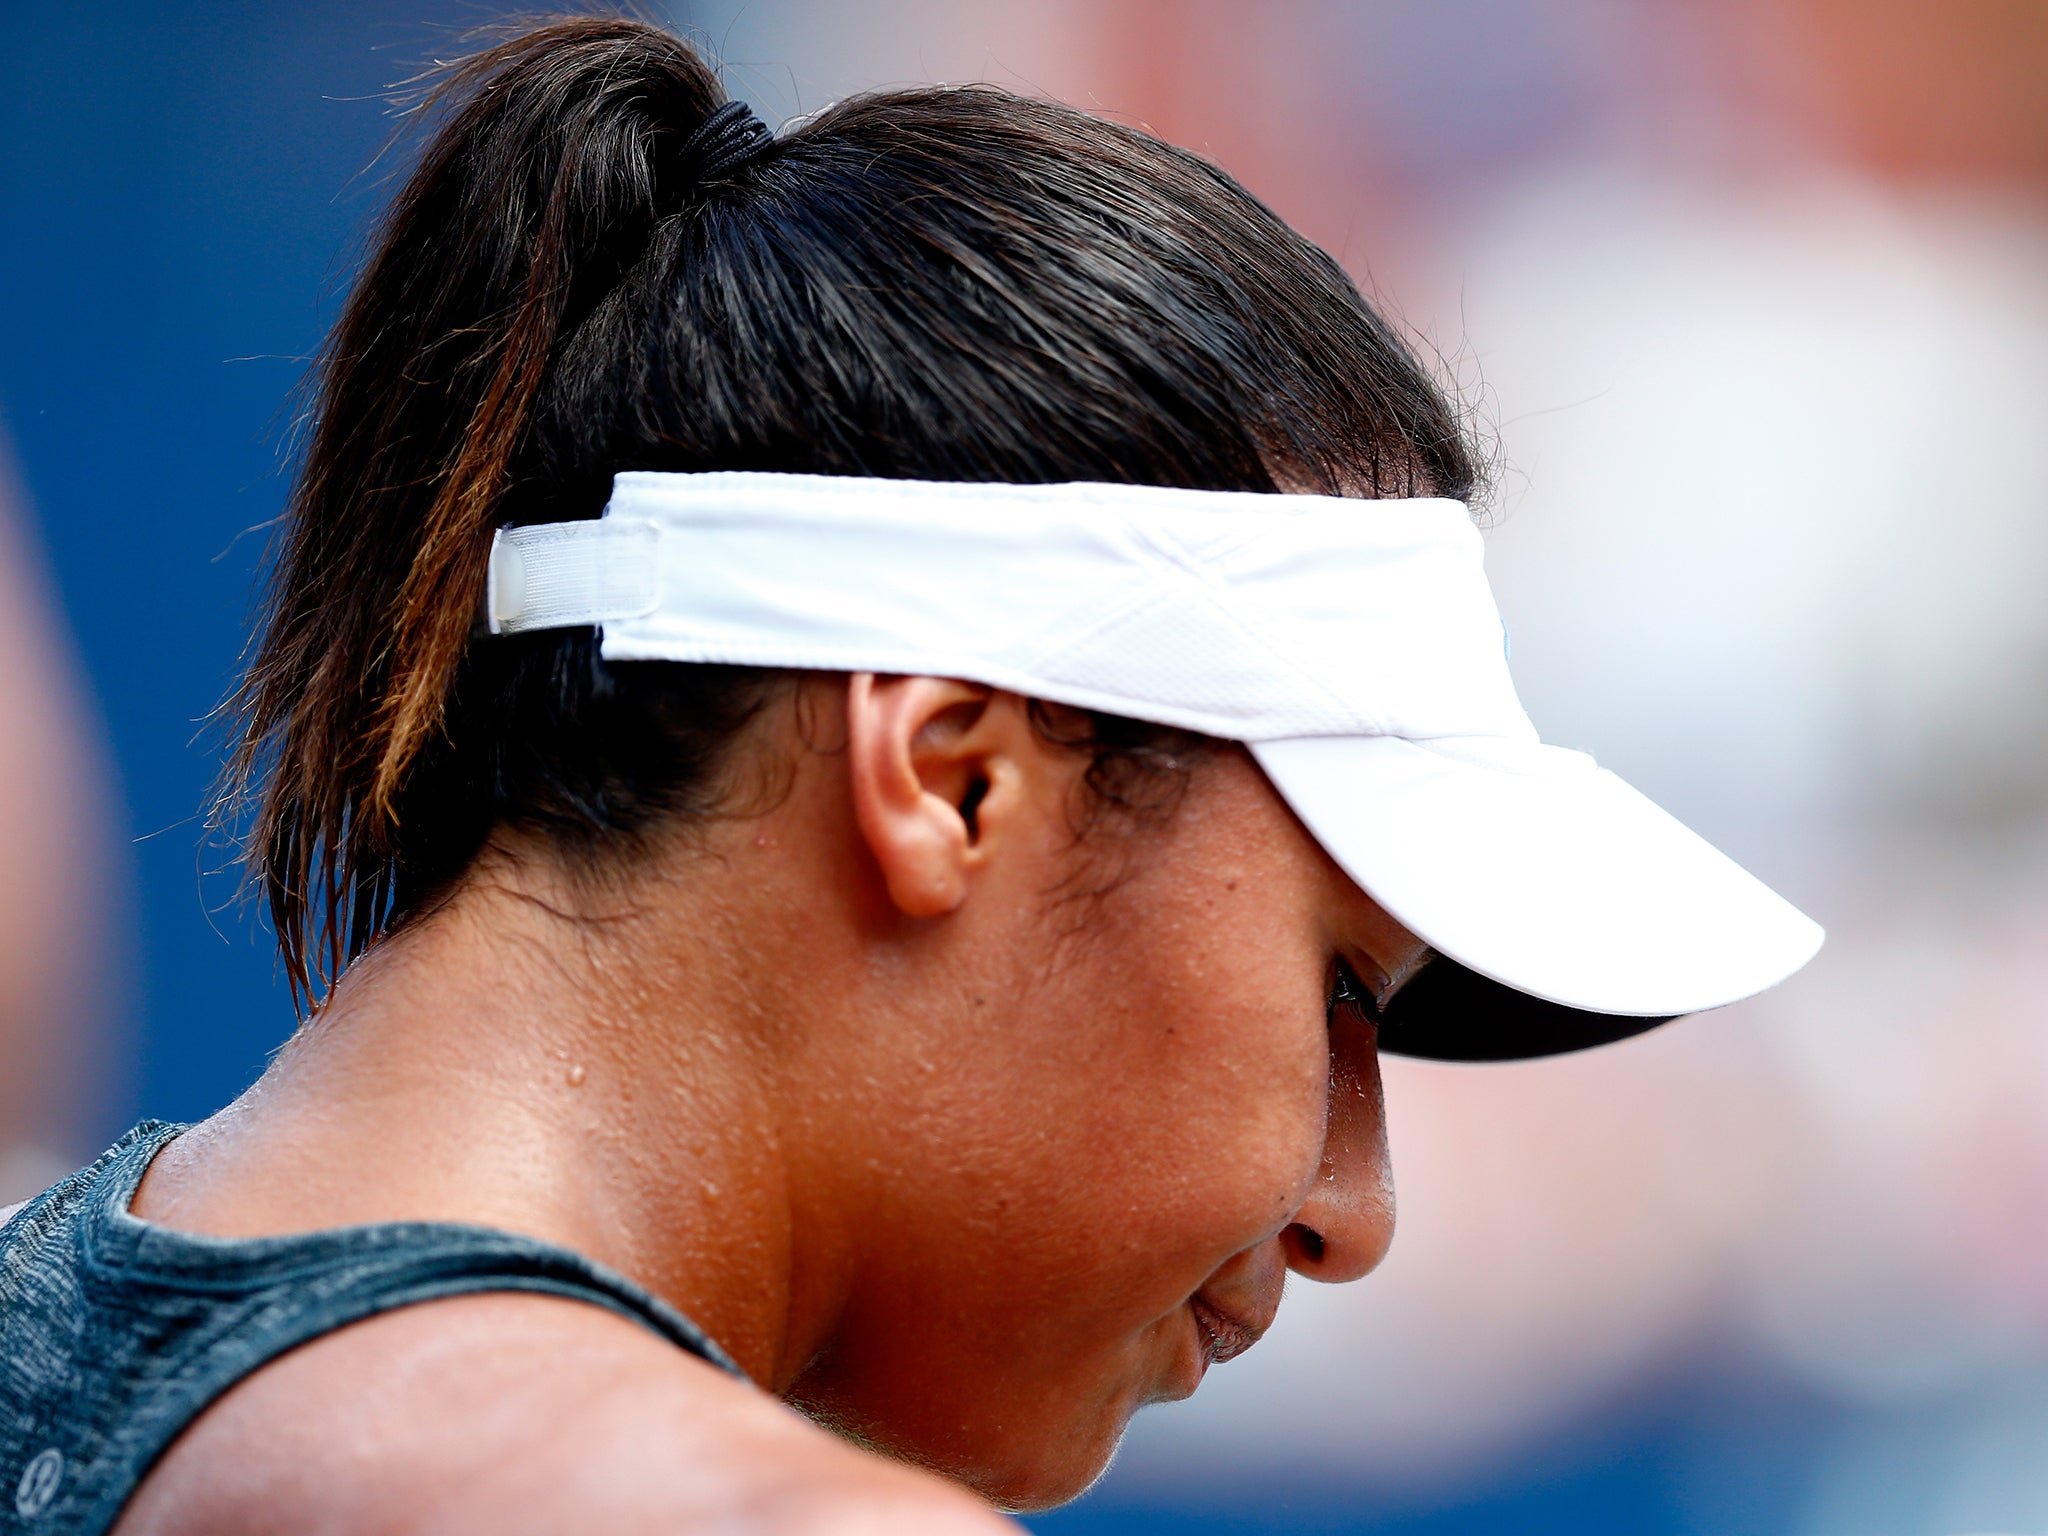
[
  {"x": 1751, "y": 299},
  {"x": 54, "y": 862}
]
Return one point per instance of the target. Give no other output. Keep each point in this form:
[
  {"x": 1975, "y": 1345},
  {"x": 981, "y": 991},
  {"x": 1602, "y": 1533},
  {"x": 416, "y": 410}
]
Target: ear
[{"x": 924, "y": 754}]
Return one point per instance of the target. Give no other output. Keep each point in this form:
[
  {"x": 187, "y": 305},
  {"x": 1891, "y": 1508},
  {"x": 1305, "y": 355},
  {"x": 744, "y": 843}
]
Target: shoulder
[{"x": 508, "y": 1412}]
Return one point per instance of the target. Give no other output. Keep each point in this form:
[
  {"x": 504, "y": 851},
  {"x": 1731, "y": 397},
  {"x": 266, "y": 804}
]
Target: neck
[{"x": 584, "y": 1068}]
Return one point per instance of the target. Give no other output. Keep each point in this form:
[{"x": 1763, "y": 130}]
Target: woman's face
[{"x": 1142, "y": 1110}]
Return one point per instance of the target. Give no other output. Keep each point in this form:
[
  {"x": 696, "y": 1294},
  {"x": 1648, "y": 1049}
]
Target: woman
[{"x": 898, "y": 914}]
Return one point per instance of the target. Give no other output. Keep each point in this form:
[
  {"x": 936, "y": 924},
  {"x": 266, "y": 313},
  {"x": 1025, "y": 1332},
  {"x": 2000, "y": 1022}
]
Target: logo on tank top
[{"x": 38, "y": 1483}]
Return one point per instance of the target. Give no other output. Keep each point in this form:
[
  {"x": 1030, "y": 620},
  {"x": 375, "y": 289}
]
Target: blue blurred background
[{"x": 1752, "y": 295}]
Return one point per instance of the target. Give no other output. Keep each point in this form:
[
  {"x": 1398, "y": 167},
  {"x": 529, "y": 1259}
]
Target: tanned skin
[{"x": 962, "y": 1135}]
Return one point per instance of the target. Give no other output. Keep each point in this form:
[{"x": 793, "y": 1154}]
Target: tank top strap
[{"x": 116, "y": 1332}]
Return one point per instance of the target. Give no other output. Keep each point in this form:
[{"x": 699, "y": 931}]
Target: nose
[{"x": 1344, "y": 1226}]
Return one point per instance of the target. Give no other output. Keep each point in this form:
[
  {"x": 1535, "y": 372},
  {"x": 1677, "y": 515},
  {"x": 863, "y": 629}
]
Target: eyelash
[{"x": 1349, "y": 992}]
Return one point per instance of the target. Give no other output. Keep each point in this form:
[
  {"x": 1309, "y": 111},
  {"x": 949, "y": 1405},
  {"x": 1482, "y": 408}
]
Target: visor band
[{"x": 1242, "y": 615}]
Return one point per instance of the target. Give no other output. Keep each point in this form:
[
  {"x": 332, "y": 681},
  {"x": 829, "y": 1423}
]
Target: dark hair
[{"x": 946, "y": 283}]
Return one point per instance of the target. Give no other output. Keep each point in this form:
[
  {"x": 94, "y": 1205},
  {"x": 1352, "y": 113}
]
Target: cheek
[
  {"x": 1175, "y": 1038},
  {"x": 1202, "y": 1114},
  {"x": 1157, "y": 1105},
  {"x": 1148, "y": 1100},
  {"x": 1089, "y": 1188}
]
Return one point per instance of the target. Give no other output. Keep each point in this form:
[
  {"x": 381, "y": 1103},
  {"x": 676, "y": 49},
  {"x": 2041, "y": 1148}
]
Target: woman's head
[{"x": 947, "y": 284}]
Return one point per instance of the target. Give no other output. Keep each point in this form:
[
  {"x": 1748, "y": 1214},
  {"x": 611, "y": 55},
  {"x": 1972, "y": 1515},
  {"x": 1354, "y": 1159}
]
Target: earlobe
[{"x": 918, "y": 778}]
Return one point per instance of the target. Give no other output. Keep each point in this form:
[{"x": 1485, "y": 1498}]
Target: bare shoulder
[{"x": 510, "y": 1413}]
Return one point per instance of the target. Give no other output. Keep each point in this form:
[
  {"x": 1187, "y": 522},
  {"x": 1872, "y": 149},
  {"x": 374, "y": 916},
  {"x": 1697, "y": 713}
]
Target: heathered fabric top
[{"x": 116, "y": 1333}]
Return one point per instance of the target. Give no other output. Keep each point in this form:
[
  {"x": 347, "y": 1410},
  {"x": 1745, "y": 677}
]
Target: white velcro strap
[{"x": 580, "y": 573}]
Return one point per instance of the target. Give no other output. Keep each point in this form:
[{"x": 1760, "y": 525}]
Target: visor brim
[{"x": 1573, "y": 911}]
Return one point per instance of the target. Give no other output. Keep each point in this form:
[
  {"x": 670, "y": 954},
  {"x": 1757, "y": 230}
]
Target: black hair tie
[{"x": 723, "y": 142}]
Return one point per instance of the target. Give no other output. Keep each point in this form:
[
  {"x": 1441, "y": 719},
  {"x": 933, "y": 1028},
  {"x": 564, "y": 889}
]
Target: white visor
[{"x": 1352, "y": 645}]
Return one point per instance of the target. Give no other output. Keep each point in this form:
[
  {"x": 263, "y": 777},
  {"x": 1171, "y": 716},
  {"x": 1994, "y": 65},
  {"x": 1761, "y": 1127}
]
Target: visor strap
[{"x": 594, "y": 572}]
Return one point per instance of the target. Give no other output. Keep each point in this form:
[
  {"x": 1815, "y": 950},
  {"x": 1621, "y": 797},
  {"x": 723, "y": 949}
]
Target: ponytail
[{"x": 558, "y": 159}]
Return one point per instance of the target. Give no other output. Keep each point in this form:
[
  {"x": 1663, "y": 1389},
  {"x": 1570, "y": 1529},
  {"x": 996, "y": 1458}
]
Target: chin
[
  {"x": 1034, "y": 1490},
  {"x": 1021, "y": 1451},
  {"x": 1045, "y": 1475}
]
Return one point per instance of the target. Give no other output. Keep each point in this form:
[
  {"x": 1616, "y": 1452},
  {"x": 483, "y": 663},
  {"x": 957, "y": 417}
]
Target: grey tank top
[{"x": 115, "y": 1333}]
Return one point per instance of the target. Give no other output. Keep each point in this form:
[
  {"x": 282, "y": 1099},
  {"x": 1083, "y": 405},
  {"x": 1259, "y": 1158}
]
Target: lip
[
  {"x": 1225, "y": 1334},
  {"x": 1226, "y": 1315}
]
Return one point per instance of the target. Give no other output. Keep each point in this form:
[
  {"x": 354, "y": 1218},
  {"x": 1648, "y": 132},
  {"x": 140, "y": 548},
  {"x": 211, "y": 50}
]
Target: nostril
[{"x": 1308, "y": 1242}]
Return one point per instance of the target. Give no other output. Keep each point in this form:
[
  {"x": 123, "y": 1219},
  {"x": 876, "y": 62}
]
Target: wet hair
[{"x": 942, "y": 283}]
